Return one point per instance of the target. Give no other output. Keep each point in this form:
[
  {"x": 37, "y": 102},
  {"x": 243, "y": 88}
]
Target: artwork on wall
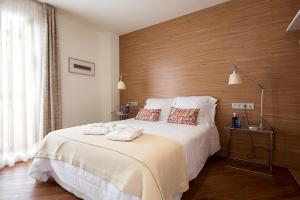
[{"x": 81, "y": 67}]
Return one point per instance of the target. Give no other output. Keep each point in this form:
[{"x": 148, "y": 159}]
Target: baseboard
[{"x": 296, "y": 175}]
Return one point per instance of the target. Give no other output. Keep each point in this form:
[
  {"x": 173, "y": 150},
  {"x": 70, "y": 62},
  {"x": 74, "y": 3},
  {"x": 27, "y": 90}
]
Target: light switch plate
[
  {"x": 134, "y": 103},
  {"x": 249, "y": 106}
]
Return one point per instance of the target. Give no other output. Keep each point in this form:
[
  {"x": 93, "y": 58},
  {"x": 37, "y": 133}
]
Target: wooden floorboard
[
  {"x": 296, "y": 175},
  {"x": 214, "y": 182}
]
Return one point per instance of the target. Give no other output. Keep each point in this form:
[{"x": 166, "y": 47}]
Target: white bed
[{"x": 199, "y": 142}]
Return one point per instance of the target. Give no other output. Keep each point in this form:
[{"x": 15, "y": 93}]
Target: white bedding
[{"x": 199, "y": 143}]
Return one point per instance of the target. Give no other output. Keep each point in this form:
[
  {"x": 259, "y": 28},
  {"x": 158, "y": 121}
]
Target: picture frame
[{"x": 78, "y": 66}]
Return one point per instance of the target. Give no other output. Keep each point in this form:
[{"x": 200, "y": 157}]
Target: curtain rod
[
  {"x": 38, "y": 2},
  {"x": 41, "y": 3}
]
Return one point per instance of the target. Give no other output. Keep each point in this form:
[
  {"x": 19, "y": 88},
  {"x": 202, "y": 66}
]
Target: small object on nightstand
[
  {"x": 127, "y": 108},
  {"x": 235, "y": 121},
  {"x": 253, "y": 128},
  {"x": 243, "y": 123}
]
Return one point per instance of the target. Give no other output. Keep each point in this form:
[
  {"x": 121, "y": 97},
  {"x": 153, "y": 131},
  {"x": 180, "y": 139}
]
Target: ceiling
[{"x": 124, "y": 16}]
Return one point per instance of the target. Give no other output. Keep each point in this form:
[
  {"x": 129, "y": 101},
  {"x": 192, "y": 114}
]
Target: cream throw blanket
[{"x": 150, "y": 167}]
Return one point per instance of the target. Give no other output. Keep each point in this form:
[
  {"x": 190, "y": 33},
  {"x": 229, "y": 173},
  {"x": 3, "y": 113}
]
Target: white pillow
[
  {"x": 206, "y": 104},
  {"x": 164, "y": 104},
  {"x": 195, "y": 100}
]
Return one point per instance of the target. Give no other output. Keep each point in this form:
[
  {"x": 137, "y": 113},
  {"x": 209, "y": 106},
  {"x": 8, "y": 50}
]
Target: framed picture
[{"x": 81, "y": 67}]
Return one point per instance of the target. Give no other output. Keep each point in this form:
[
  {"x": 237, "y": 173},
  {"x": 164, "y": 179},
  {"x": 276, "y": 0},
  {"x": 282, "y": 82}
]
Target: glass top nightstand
[
  {"x": 268, "y": 130},
  {"x": 122, "y": 115},
  {"x": 264, "y": 130}
]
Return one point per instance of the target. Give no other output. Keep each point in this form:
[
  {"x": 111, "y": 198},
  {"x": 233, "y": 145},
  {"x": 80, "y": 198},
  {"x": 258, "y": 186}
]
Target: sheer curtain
[{"x": 20, "y": 79}]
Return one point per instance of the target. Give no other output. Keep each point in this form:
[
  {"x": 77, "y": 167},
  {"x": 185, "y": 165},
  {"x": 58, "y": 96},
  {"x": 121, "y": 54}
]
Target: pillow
[
  {"x": 160, "y": 103},
  {"x": 206, "y": 104},
  {"x": 148, "y": 114},
  {"x": 183, "y": 116},
  {"x": 195, "y": 100}
]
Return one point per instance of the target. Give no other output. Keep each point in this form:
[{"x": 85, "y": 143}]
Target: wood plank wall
[{"x": 193, "y": 55}]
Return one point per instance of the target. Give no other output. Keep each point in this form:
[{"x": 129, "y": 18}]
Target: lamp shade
[
  {"x": 234, "y": 78},
  {"x": 121, "y": 85}
]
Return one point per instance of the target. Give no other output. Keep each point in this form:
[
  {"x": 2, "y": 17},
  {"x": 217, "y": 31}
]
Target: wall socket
[
  {"x": 249, "y": 106},
  {"x": 133, "y": 103}
]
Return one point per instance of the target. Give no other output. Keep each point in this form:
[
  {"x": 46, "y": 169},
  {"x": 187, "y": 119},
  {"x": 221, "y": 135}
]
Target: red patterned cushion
[
  {"x": 183, "y": 116},
  {"x": 148, "y": 114}
]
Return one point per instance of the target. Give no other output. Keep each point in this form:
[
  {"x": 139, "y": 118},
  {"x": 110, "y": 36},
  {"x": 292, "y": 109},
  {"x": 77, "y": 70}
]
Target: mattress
[{"x": 199, "y": 142}]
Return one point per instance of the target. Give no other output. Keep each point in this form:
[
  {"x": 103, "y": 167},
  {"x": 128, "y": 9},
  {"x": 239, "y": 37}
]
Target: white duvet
[{"x": 199, "y": 142}]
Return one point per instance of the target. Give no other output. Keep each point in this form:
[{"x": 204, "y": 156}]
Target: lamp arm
[{"x": 261, "y": 86}]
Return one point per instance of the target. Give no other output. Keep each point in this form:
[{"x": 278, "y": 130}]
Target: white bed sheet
[{"x": 199, "y": 142}]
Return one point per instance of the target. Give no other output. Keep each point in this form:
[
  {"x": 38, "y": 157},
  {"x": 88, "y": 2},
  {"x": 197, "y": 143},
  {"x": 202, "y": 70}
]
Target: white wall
[{"x": 87, "y": 99}]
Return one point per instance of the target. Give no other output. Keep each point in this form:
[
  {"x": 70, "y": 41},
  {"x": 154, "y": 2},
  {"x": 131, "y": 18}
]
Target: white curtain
[{"x": 20, "y": 79}]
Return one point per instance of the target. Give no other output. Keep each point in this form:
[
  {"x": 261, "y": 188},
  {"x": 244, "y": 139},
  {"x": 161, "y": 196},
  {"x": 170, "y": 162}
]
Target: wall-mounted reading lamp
[
  {"x": 235, "y": 79},
  {"x": 121, "y": 84}
]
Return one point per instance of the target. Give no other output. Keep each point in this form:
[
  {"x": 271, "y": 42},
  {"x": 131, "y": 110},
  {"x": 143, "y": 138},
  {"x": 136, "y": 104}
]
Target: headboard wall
[{"x": 193, "y": 55}]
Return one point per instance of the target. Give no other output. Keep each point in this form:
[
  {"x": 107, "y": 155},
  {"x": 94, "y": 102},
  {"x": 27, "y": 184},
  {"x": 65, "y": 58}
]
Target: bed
[{"x": 198, "y": 143}]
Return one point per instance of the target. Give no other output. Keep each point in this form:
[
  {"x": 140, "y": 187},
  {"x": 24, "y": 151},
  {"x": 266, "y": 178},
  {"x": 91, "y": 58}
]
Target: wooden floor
[
  {"x": 296, "y": 175},
  {"x": 214, "y": 182}
]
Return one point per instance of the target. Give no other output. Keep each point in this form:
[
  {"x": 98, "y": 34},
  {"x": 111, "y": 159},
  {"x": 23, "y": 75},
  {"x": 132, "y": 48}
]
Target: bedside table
[
  {"x": 121, "y": 115},
  {"x": 265, "y": 131}
]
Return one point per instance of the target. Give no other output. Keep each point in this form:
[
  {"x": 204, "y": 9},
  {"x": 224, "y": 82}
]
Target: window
[{"x": 20, "y": 79}]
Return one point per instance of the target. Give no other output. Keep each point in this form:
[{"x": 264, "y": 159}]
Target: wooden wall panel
[{"x": 193, "y": 55}]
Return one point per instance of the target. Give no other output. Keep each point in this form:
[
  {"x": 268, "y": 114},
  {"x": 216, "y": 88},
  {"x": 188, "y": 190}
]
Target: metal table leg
[
  {"x": 271, "y": 152},
  {"x": 228, "y": 144}
]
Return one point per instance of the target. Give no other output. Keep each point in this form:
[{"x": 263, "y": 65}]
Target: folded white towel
[
  {"x": 98, "y": 129},
  {"x": 124, "y": 132}
]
